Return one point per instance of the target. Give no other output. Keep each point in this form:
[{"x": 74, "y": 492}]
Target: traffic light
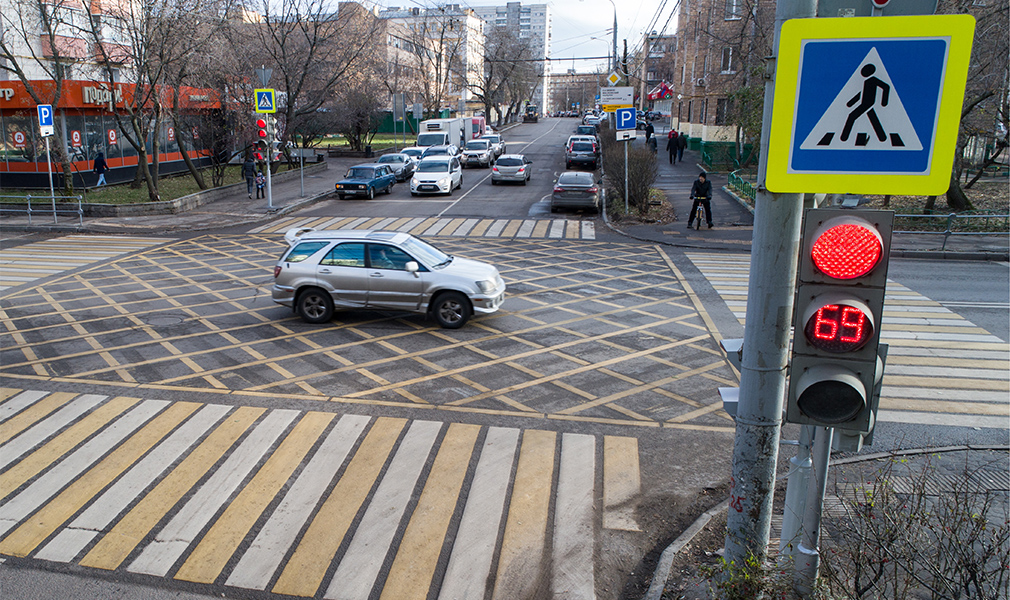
[{"x": 835, "y": 368}]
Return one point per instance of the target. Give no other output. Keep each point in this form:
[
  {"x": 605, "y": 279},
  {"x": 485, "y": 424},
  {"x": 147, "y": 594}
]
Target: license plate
[{"x": 427, "y": 187}]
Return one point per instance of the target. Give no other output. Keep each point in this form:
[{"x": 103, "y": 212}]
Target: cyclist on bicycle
[{"x": 701, "y": 193}]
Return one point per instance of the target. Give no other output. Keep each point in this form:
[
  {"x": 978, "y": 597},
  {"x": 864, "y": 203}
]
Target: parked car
[
  {"x": 584, "y": 138},
  {"x": 586, "y": 130},
  {"x": 511, "y": 167},
  {"x": 581, "y": 154},
  {"x": 477, "y": 153},
  {"x": 322, "y": 271},
  {"x": 575, "y": 190},
  {"x": 365, "y": 180},
  {"x": 402, "y": 164},
  {"x": 437, "y": 175},
  {"x": 497, "y": 142},
  {"x": 442, "y": 150}
]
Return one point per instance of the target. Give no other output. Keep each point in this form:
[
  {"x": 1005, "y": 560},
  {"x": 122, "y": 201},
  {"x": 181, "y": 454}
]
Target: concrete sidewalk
[{"x": 734, "y": 220}]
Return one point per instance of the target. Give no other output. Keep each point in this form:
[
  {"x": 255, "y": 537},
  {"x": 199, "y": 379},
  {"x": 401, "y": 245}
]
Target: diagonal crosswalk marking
[{"x": 489, "y": 228}]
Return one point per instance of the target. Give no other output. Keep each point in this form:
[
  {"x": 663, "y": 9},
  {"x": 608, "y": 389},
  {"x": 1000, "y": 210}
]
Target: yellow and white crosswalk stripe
[
  {"x": 306, "y": 503},
  {"x": 450, "y": 227},
  {"x": 941, "y": 368},
  {"x": 22, "y": 264}
]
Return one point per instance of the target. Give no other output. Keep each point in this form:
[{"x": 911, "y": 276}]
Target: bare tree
[
  {"x": 438, "y": 43},
  {"x": 43, "y": 34},
  {"x": 505, "y": 57}
]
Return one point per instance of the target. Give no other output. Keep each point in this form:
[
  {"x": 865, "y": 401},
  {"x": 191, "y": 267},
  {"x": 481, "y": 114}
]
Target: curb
[{"x": 662, "y": 572}]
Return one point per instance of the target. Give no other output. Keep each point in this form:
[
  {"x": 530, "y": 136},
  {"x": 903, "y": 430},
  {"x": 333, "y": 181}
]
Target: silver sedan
[{"x": 511, "y": 167}]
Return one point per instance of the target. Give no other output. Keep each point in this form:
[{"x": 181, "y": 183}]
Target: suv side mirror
[{"x": 411, "y": 266}]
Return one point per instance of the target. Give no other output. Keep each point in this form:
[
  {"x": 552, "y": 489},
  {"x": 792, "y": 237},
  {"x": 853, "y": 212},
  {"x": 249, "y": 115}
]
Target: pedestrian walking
[
  {"x": 651, "y": 143},
  {"x": 671, "y": 146},
  {"x": 100, "y": 168},
  {"x": 701, "y": 193},
  {"x": 649, "y": 130},
  {"x": 681, "y": 145},
  {"x": 249, "y": 172},
  {"x": 261, "y": 184}
]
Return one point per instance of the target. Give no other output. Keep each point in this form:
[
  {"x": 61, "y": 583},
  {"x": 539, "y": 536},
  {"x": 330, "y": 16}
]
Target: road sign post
[
  {"x": 46, "y": 129},
  {"x": 625, "y": 121}
]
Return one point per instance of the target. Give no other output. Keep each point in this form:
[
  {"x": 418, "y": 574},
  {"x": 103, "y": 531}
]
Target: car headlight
[
  {"x": 443, "y": 181},
  {"x": 487, "y": 286}
]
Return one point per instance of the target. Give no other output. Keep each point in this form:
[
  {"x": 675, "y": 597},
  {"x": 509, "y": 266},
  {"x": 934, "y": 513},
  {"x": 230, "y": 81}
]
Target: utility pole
[{"x": 776, "y": 240}]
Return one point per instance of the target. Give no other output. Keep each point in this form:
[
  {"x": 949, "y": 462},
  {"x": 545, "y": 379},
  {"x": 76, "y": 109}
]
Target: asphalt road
[{"x": 605, "y": 354}]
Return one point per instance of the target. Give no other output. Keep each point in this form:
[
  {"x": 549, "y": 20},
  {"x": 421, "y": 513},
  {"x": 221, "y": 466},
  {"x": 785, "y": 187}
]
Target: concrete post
[
  {"x": 808, "y": 559},
  {"x": 777, "y": 219}
]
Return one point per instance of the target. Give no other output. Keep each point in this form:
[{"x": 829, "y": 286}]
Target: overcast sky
[{"x": 575, "y": 24}]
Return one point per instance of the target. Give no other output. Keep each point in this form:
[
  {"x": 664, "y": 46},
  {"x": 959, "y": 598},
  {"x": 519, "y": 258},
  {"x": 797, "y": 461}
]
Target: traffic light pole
[{"x": 776, "y": 237}]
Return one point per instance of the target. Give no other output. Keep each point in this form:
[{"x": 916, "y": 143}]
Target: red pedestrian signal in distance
[
  {"x": 261, "y": 131},
  {"x": 841, "y": 277}
]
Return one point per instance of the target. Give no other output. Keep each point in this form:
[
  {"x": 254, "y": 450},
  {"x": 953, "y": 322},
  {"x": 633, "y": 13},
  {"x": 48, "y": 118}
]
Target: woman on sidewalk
[{"x": 249, "y": 172}]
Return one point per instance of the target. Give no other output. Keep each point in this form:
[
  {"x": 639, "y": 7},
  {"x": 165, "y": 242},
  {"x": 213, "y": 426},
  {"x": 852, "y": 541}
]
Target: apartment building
[{"x": 533, "y": 22}]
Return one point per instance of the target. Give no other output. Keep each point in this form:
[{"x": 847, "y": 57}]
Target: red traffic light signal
[
  {"x": 261, "y": 132},
  {"x": 838, "y": 309}
]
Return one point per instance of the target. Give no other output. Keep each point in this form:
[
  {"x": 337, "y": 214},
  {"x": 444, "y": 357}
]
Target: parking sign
[{"x": 45, "y": 119}]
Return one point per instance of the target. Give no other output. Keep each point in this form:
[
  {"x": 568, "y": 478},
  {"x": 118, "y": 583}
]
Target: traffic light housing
[{"x": 835, "y": 369}]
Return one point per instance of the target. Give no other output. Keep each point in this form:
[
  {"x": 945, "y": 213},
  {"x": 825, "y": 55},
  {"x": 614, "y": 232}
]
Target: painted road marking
[
  {"x": 22, "y": 264},
  {"x": 938, "y": 364},
  {"x": 520, "y": 228},
  {"x": 224, "y": 475}
]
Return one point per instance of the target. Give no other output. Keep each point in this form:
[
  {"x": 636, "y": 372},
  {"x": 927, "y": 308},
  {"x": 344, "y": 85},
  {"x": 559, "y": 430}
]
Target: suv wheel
[
  {"x": 451, "y": 310},
  {"x": 315, "y": 306}
]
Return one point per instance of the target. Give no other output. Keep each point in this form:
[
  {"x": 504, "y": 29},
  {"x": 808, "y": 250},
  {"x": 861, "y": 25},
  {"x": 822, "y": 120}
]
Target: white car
[
  {"x": 497, "y": 143},
  {"x": 437, "y": 175}
]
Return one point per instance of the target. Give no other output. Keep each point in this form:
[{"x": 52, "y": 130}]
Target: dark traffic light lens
[
  {"x": 847, "y": 251},
  {"x": 830, "y": 402},
  {"x": 839, "y": 328}
]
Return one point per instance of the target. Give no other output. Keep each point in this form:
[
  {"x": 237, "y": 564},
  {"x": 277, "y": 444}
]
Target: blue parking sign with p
[
  {"x": 45, "y": 119},
  {"x": 625, "y": 118}
]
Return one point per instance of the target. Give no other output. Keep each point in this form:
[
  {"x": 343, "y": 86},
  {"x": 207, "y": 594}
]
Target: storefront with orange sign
[{"x": 86, "y": 125}]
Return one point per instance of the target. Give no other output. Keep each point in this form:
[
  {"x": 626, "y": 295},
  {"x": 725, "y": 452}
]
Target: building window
[
  {"x": 704, "y": 110},
  {"x": 722, "y": 107},
  {"x": 727, "y": 60},
  {"x": 734, "y": 9}
]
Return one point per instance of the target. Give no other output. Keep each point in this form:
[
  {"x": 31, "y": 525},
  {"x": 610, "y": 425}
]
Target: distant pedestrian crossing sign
[
  {"x": 868, "y": 105},
  {"x": 265, "y": 101}
]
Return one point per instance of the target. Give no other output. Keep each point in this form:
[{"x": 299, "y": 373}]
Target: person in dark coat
[
  {"x": 701, "y": 192},
  {"x": 681, "y": 146},
  {"x": 649, "y": 130},
  {"x": 671, "y": 146},
  {"x": 100, "y": 168},
  {"x": 249, "y": 172}
]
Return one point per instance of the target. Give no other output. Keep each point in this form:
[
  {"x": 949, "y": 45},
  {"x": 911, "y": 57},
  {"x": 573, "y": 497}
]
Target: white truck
[{"x": 437, "y": 132}]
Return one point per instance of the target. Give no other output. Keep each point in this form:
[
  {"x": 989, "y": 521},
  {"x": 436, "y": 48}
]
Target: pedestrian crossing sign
[
  {"x": 868, "y": 105},
  {"x": 265, "y": 101}
]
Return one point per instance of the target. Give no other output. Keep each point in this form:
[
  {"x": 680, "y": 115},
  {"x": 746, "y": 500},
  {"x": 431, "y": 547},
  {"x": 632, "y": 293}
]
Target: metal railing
[
  {"x": 988, "y": 224},
  {"x": 745, "y": 187},
  {"x": 44, "y": 205}
]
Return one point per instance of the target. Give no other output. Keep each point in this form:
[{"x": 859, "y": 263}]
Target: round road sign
[{"x": 19, "y": 139}]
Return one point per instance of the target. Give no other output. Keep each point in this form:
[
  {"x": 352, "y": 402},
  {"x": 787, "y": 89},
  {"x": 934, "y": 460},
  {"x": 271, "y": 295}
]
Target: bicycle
[{"x": 699, "y": 214}]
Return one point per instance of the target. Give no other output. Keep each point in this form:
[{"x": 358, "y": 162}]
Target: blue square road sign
[{"x": 625, "y": 118}]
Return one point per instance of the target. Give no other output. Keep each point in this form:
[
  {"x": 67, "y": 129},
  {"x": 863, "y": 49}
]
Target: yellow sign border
[
  {"x": 958, "y": 28},
  {"x": 273, "y": 100}
]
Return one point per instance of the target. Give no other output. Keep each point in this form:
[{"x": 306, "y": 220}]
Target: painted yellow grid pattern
[{"x": 606, "y": 333}]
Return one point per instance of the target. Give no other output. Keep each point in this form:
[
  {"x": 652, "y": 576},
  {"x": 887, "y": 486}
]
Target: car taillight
[
  {"x": 559, "y": 189},
  {"x": 521, "y": 169},
  {"x": 592, "y": 190},
  {"x": 277, "y": 271},
  {"x": 495, "y": 169}
]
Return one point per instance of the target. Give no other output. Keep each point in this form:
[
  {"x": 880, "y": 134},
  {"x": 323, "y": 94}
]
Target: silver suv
[{"x": 322, "y": 271}]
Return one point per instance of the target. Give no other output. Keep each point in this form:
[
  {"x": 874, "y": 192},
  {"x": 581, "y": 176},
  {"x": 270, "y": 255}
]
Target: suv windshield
[
  {"x": 425, "y": 252},
  {"x": 586, "y": 130},
  {"x": 391, "y": 158},
  {"x": 476, "y": 145},
  {"x": 435, "y": 166}
]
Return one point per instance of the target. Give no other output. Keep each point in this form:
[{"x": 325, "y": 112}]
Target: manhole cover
[{"x": 161, "y": 320}]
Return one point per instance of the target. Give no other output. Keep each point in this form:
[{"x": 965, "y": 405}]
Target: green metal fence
[{"x": 741, "y": 185}]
